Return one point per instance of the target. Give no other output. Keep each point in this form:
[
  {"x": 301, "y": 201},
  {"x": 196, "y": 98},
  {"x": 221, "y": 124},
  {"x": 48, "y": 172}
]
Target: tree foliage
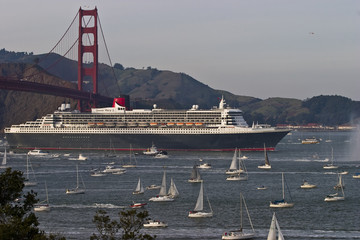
[
  {"x": 127, "y": 228},
  {"x": 17, "y": 221}
]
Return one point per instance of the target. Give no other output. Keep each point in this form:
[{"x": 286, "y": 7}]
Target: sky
[{"x": 259, "y": 48}]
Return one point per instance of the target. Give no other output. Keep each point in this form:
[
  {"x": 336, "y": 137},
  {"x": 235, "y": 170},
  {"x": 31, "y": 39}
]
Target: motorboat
[
  {"x": 138, "y": 205},
  {"x": 310, "y": 141},
  {"x": 153, "y": 187},
  {"x": 356, "y": 175},
  {"x": 82, "y": 157},
  {"x": 112, "y": 169},
  {"x": 152, "y": 151},
  {"x": 307, "y": 185},
  {"x": 37, "y": 152},
  {"x": 204, "y": 165},
  {"x": 154, "y": 224},
  {"x": 261, "y": 188}
]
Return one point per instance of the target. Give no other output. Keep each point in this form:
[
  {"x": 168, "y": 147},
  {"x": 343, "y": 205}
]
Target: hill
[{"x": 152, "y": 86}]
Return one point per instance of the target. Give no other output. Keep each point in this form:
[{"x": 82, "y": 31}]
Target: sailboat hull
[
  {"x": 161, "y": 199},
  {"x": 281, "y": 205},
  {"x": 200, "y": 214},
  {"x": 237, "y": 235},
  {"x": 42, "y": 208}
]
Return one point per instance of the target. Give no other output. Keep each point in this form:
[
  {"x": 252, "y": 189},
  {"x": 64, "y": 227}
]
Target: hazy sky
[{"x": 261, "y": 48}]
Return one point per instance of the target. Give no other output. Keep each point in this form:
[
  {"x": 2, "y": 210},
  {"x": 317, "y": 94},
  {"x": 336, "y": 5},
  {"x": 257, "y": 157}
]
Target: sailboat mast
[
  {"x": 241, "y": 213},
  {"x": 27, "y": 166},
  {"x": 77, "y": 176},
  {"x": 283, "y": 189}
]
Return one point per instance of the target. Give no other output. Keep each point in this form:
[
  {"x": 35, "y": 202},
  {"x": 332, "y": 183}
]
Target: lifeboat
[
  {"x": 143, "y": 124},
  {"x": 170, "y": 124},
  {"x": 189, "y": 124},
  {"x": 198, "y": 124},
  {"x": 153, "y": 124},
  {"x": 180, "y": 124}
]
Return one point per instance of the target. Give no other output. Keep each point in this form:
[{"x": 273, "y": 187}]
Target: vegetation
[
  {"x": 127, "y": 228},
  {"x": 17, "y": 221}
]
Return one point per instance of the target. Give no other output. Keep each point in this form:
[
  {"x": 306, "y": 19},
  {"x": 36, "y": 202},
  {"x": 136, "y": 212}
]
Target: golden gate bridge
[{"x": 83, "y": 46}]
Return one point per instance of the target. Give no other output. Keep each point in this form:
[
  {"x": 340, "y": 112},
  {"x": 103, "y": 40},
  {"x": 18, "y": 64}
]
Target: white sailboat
[
  {"x": 76, "y": 190},
  {"x": 173, "y": 192},
  {"x": 27, "y": 181},
  {"x": 242, "y": 175},
  {"x": 199, "y": 207},
  {"x": 195, "y": 176},
  {"x": 162, "y": 197},
  {"x": 43, "y": 206},
  {"x": 233, "y": 169},
  {"x": 132, "y": 160},
  {"x": 240, "y": 233},
  {"x": 331, "y": 165},
  {"x": 4, "y": 161},
  {"x": 335, "y": 196},
  {"x": 267, "y": 163},
  {"x": 281, "y": 203},
  {"x": 139, "y": 188},
  {"x": 272, "y": 231}
]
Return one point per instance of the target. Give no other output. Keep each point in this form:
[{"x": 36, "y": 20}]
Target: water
[{"x": 310, "y": 218}]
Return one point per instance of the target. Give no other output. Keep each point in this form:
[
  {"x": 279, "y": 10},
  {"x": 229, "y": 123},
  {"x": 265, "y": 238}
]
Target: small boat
[
  {"x": 344, "y": 173},
  {"x": 272, "y": 231},
  {"x": 112, "y": 169},
  {"x": 162, "y": 197},
  {"x": 153, "y": 187},
  {"x": 97, "y": 173},
  {"x": 154, "y": 224},
  {"x": 199, "y": 207},
  {"x": 267, "y": 163},
  {"x": 261, "y": 188},
  {"x": 27, "y": 181},
  {"x": 340, "y": 184},
  {"x": 356, "y": 175},
  {"x": 243, "y": 157},
  {"x": 240, "y": 233},
  {"x": 307, "y": 185},
  {"x": 76, "y": 190},
  {"x": 4, "y": 161},
  {"x": 161, "y": 154},
  {"x": 139, "y": 188},
  {"x": 82, "y": 157},
  {"x": 195, "y": 176},
  {"x": 138, "y": 205},
  {"x": 204, "y": 165},
  {"x": 152, "y": 151},
  {"x": 233, "y": 169},
  {"x": 331, "y": 165},
  {"x": 281, "y": 203},
  {"x": 44, "y": 205},
  {"x": 37, "y": 152},
  {"x": 310, "y": 141}
]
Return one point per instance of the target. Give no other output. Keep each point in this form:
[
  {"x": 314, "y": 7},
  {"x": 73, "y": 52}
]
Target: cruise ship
[{"x": 117, "y": 128}]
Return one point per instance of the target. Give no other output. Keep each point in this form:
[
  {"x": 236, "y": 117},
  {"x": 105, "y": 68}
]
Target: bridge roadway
[{"x": 8, "y": 83}]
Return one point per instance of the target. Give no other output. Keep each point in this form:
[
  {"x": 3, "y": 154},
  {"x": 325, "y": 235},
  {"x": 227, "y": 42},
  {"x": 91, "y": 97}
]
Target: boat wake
[{"x": 95, "y": 205}]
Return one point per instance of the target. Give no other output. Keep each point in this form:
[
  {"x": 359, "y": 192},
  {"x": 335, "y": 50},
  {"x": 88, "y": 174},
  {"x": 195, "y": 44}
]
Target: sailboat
[
  {"x": 195, "y": 175},
  {"x": 27, "y": 181},
  {"x": 173, "y": 192},
  {"x": 272, "y": 231},
  {"x": 240, "y": 234},
  {"x": 281, "y": 203},
  {"x": 162, "y": 197},
  {"x": 335, "y": 196},
  {"x": 199, "y": 207},
  {"x": 139, "y": 188},
  {"x": 331, "y": 165},
  {"x": 233, "y": 169},
  {"x": 242, "y": 175},
  {"x": 340, "y": 184},
  {"x": 3, "y": 163},
  {"x": 43, "y": 206},
  {"x": 76, "y": 190},
  {"x": 132, "y": 161},
  {"x": 267, "y": 163}
]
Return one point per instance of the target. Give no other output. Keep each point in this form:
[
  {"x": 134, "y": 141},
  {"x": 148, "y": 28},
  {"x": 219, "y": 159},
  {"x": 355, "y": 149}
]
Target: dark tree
[{"x": 128, "y": 227}]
